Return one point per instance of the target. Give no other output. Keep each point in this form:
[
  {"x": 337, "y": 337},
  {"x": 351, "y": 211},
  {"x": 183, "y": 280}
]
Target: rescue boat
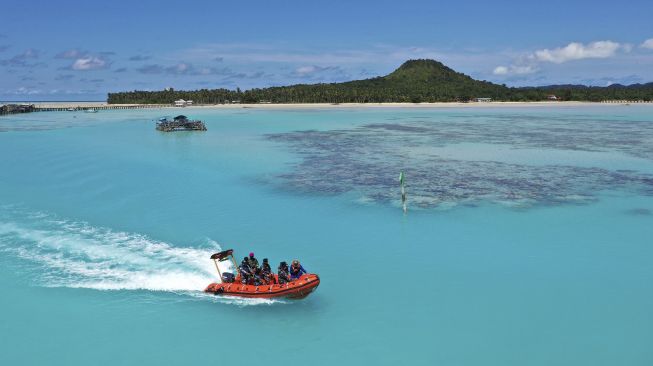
[{"x": 231, "y": 285}]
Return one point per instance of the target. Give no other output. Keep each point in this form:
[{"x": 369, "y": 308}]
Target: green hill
[
  {"x": 433, "y": 81},
  {"x": 414, "y": 81}
]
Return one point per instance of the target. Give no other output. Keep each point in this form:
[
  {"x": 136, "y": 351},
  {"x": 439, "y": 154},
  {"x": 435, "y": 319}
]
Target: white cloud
[
  {"x": 648, "y": 44},
  {"x": 515, "y": 70},
  {"x": 528, "y": 63},
  {"x": 577, "y": 51},
  {"x": 306, "y": 70},
  {"x": 90, "y": 63},
  {"x": 500, "y": 70}
]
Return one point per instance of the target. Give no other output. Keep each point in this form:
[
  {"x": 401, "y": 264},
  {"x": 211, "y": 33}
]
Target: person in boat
[
  {"x": 266, "y": 272},
  {"x": 257, "y": 278},
  {"x": 283, "y": 273},
  {"x": 245, "y": 271},
  {"x": 253, "y": 262},
  {"x": 296, "y": 270}
]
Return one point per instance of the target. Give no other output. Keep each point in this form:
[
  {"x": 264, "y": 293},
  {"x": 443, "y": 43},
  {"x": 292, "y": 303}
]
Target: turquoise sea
[{"x": 528, "y": 238}]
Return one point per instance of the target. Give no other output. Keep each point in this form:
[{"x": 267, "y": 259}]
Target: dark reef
[{"x": 367, "y": 159}]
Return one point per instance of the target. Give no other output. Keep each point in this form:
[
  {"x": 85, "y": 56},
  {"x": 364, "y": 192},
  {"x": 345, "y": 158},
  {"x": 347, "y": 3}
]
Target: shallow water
[{"x": 527, "y": 239}]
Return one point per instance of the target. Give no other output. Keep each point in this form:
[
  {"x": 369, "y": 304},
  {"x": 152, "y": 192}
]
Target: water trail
[{"x": 66, "y": 253}]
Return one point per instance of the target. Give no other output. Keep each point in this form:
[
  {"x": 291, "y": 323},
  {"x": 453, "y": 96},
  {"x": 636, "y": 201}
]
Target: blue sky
[{"x": 80, "y": 50}]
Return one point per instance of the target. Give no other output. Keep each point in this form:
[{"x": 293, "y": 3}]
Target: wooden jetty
[
  {"x": 54, "y": 108},
  {"x": 72, "y": 107},
  {"x": 621, "y": 101},
  {"x": 179, "y": 123}
]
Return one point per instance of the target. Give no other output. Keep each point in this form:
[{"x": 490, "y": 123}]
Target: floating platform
[{"x": 179, "y": 123}]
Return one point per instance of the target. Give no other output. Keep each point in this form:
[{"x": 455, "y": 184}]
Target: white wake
[{"x": 77, "y": 255}]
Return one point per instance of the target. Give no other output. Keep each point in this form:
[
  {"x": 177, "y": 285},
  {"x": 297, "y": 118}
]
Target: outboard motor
[{"x": 228, "y": 277}]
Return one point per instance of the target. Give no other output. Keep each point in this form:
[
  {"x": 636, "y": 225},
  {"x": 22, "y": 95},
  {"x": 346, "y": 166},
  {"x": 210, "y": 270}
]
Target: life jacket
[
  {"x": 245, "y": 273},
  {"x": 252, "y": 262},
  {"x": 245, "y": 270},
  {"x": 283, "y": 275},
  {"x": 296, "y": 272}
]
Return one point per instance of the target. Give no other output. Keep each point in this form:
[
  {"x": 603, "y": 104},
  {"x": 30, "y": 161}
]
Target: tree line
[{"x": 416, "y": 81}]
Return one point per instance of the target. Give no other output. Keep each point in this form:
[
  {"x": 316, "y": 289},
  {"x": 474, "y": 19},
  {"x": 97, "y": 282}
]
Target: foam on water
[{"x": 77, "y": 255}]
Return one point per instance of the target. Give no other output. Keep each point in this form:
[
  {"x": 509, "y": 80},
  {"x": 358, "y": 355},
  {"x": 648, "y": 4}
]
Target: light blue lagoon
[{"x": 528, "y": 239}]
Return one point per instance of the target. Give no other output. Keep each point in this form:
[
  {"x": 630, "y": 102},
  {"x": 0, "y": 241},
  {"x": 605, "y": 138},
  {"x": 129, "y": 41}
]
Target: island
[{"x": 415, "y": 81}]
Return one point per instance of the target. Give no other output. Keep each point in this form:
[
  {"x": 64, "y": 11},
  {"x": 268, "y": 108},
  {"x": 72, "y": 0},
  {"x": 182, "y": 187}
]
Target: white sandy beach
[{"x": 552, "y": 104}]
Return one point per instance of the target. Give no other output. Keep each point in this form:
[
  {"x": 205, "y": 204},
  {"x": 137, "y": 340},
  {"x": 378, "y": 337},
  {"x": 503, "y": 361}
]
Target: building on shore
[
  {"x": 180, "y": 103},
  {"x": 183, "y": 103},
  {"x": 483, "y": 100}
]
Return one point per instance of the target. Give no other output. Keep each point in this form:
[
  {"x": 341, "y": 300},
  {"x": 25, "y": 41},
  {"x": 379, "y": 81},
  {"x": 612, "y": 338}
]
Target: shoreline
[{"x": 84, "y": 105}]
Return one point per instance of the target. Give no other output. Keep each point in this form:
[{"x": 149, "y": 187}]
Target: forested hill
[{"x": 415, "y": 81}]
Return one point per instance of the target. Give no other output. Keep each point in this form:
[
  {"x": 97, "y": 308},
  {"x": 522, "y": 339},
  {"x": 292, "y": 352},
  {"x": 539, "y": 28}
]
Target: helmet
[
  {"x": 251, "y": 254},
  {"x": 265, "y": 260},
  {"x": 295, "y": 261}
]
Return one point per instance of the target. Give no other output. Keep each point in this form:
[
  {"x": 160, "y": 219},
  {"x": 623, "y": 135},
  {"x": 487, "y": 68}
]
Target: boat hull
[{"x": 297, "y": 289}]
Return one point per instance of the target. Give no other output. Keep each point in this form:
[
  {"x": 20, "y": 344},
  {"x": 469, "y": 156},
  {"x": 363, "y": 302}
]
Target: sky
[{"x": 81, "y": 50}]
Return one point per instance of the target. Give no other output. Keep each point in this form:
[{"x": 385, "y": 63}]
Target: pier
[
  {"x": 13, "y": 108},
  {"x": 102, "y": 107},
  {"x": 618, "y": 101}
]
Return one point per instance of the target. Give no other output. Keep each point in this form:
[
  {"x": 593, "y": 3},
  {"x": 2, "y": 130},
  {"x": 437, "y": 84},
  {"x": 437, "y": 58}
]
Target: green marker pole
[{"x": 403, "y": 190}]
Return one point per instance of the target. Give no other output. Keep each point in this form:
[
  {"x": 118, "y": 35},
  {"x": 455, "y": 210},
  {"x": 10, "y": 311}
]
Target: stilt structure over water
[
  {"x": 179, "y": 123},
  {"x": 16, "y": 108}
]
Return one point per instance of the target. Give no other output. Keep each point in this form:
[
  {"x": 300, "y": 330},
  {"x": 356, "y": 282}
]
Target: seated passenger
[
  {"x": 245, "y": 271},
  {"x": 257, "y": 278},
  {"x": 296, "y": 270},
  {"x": 266, "y": 272},
  {"x": 283, "y": 274},
  {"x": 252, "y": 261}
]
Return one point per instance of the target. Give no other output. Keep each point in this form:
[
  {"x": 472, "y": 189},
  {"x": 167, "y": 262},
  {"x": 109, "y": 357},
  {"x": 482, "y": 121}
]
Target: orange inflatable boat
[{"x": 232, "y": 286}]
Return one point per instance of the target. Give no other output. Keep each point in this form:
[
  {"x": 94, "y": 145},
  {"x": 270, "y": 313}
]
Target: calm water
[{"x": 527, "y": 241}]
